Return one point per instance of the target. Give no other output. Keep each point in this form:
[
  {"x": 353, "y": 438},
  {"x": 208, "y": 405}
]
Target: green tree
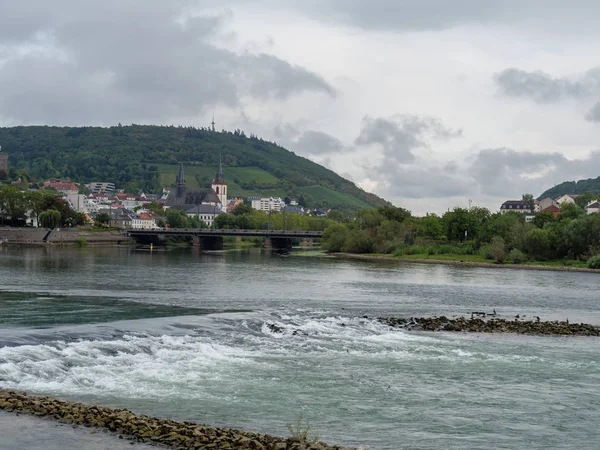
[
  {"x": 530, "y": 201},
  {"x": 103, "y": 219},
  {"x": 335, "y": 237},
  {"x": 359, "y": 241},
  {"x": 538, "y": 244},
  {"x": 242, "y": 209},
  {"x": 570, "y": 211},
  {"x": 433, "y": 226},
  {"x": 542, "y": 218},
  {"x": 50, "y": 218},
  {"x": 460, "y": 224},
  {"x": 177, "y": 219}
]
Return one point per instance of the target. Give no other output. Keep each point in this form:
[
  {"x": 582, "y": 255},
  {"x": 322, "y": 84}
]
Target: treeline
[
  {"x": 45, "y": 207},
  {"x": 572, "y": 234},
  {"x": 243, "y": 217},
  {"x": 128, "y": 156}
]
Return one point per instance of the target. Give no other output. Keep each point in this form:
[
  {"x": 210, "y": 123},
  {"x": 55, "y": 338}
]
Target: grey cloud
[
  {"x": 308, "y": 142},
  {"x": 130, "y": 61},
  {"x": 317, "y": 142},
  {"x": 543, "y": 88},
  {"x": 401, "y": 135},
  {"x": 505, "y": 171},
  {"x": 593, "y": 114},
  {"x": 414, "y": 181},
  {"x": 417, "y": 15}
]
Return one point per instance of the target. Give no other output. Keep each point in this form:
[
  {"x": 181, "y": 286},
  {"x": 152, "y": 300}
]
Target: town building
[
  {"x": 567, "y": 198},
  {"x": 66, "y": 187},
  {"x": 520, "y": 206},
  {"x": 546, "y": 202},
  {"x": 98, "y": 187},
  {"x": 205, "y": 213},
  {"x": 268, "y": 204},
  {"x": 593, "y": 208}
]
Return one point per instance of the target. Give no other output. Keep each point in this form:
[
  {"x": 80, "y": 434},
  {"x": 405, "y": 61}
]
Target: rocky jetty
[
  {"x": 493, "y": 325},
  {"x": 142, "y": 428}
]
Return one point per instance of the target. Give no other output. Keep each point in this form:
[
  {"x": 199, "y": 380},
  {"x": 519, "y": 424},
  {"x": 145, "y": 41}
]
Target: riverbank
[
  {"x": 145, "y": 429},
  {"x": 451, "y": 262},
  {"x": 63, "y": 236},
  {"x": 492, "y": 325}
]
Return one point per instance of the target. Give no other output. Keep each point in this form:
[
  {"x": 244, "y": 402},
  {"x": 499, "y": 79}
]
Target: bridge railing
[{"x": 227, "y": 231}]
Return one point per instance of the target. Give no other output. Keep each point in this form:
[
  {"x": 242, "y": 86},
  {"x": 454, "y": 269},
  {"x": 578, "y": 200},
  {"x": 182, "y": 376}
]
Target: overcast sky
[{"x": 428, "y": 103}]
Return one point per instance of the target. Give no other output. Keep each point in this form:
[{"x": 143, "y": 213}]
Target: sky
[{"x": 430, "y": 104}]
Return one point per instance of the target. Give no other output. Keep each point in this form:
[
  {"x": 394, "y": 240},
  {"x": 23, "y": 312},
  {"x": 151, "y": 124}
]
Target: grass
[{"x": 301, "y": 430}]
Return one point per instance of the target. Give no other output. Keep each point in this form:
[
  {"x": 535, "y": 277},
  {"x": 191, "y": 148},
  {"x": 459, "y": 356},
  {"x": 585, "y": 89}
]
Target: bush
[
  {"x": 594, "y": 262},
  {"x": 498, "y": 251},
  {"x": 486, "y": 252},
  {"x": 81, "y": 242},
  {"x": 517, "y": 256}
]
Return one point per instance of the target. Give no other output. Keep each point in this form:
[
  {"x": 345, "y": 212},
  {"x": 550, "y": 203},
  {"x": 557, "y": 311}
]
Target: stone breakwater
[
  {"x": 492, "y": 325},
  {"x": 142, "y": 428}
]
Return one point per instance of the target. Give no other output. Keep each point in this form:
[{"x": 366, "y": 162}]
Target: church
[{"x": 204, "y": 203}]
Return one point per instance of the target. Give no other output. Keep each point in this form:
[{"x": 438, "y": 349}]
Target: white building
[
  {"x": 99, "y": 186},
  {"x": 268, "y": 204},
  {"x": 567, "y": 198}
]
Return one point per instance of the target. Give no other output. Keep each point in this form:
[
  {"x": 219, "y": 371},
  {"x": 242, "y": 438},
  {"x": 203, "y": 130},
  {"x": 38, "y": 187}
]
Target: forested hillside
[
  {"x": 143, "y": 157},
  {"x": 591, "y": 185}
]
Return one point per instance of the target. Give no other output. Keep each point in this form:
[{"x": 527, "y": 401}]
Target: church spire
[
  {"x": 180, "y": 182},
  {"x": 213, "y": 122},
  {"x": 220, "y": 178}
]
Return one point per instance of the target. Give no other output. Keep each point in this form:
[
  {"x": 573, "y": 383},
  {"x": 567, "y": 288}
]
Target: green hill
[
  {"x": 146, "y": 157},
  {"x": 591, "y": 185}
]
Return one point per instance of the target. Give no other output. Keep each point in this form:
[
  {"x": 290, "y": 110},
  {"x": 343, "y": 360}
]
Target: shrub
[
  {"x": 486, "y": 252},
  {"x": 594, "y": 262},
  {"x": 81, "y": 242},
  {"x": 517, "y": 256},
  {"x": 498, "y": 251},
  {"x": 301, "y": 431}
]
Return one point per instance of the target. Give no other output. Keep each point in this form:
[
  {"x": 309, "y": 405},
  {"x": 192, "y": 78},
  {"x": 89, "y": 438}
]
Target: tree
[
  {"x": 569, "y": 211},
  {"x": 242, "y": 209},
  {"x": 335, "y": 237},
  {"x": 103, "y": 218},
  {"x": 542, "y": 218},
  {"x": 50, "y": 218},
  {"x": 12, "y": 202},
  {"x": 393, "y": 213},
  {"x": 177, "y": 218},
  {"x": 530, "y": 201},
  {"x": 302, "y": 201},
  {"x": 538, "y": 244},
  {"x": 460, "y": 224},
  {"x": 432, "y": 226}
]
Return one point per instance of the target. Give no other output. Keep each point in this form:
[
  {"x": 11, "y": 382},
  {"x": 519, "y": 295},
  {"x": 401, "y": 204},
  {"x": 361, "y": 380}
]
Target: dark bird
[
  {"x": 517, "y": 316},
  {"x": 537, "y": 319}
]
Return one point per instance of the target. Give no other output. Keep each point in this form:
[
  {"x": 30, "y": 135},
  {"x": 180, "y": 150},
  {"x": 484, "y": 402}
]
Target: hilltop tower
[
  {"x": 180, "y": 182},
  {"x": 219, "y": 185},
  {"x": 213, "y": 123}
]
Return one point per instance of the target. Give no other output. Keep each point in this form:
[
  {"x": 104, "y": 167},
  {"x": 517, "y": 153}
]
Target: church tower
[
  {"x": 180, "y": 182},
  {"x": 219, "y": 185}
]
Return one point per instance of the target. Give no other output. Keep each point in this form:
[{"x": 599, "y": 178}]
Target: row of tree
[
  {"x": 571, "y": 234},
  {"x": 44, "y": 207},
  {"x": 245, "y": 218}
]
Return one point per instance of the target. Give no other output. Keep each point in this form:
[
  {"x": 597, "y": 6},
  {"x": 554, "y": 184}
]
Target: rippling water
[{"x": 190, "y": 336}]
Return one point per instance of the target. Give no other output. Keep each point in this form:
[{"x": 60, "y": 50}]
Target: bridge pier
[
  {"x": 211, "y": 242},
  {"x": 279, "y": 243}
]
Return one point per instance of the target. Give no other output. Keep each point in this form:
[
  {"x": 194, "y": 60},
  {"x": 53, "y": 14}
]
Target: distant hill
[
  {"x": 591, "y": 185},
  {"x": 146, "y": 157}
]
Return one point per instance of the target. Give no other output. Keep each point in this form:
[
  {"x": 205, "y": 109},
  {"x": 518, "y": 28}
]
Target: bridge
[{"x": 212, "y": 239}]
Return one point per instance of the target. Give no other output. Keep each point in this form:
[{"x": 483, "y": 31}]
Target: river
[{"x": 187, "y": 336}]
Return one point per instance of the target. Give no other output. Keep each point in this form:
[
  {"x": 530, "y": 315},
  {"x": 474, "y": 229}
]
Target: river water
[{"x": 191, "y": 336}]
